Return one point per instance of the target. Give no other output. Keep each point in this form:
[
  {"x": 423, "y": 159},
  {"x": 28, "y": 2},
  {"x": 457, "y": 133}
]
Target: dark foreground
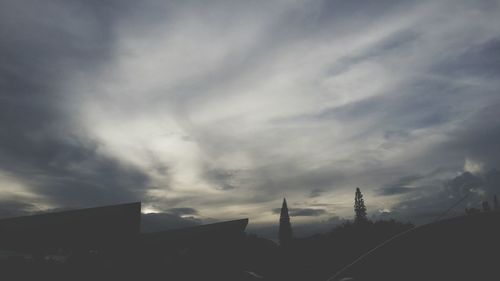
[{"x": 464, "y": 248}]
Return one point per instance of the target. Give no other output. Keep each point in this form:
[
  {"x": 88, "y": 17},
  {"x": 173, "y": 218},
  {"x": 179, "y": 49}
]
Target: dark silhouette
[
  {"x": 319, "y": 256},
  {"x": 496, "y": 206},
  {"x": 81, "y": 230},
  {"x": 285, "y": 228},
  {"x": 470, "y": 211},
  {"x": 106, "y": 244},
  {"x": 486, "y": 206},
  {"x": 451, "y": 249},
  {"x": 359, "y": 207}
]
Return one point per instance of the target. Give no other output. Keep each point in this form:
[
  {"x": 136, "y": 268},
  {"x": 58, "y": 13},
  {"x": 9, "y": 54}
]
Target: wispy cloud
[{"x": 228, "y": 106}]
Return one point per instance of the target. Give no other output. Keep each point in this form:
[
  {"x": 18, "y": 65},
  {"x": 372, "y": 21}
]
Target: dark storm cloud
[
  {"x": 306, "y": 100},
  {"x": 387, "y": 191},
  {"x": 481, "y": 60},
  {"x": 423, "y": 102},
  {"x": 399, "y": 186},
  {"x": 413, "y": 106},
  {"x": 478, "y": 137},
  {"x": 359, "y": 11},
  {"x": 429, "y": 203},
  {"x": 42, "y": 44}
]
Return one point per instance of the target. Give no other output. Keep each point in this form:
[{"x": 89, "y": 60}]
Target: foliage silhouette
[
  {"x": 486, "y": 206},
  {"x": 285, "y": 228},
  {"x": 225, "y": 252},
  {"x": 470, "y": 211},
  {"x": 359, "y": 207}
]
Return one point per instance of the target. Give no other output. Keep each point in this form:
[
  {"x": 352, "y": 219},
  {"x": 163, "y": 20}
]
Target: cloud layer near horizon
[{"x": 228, "y": 106}]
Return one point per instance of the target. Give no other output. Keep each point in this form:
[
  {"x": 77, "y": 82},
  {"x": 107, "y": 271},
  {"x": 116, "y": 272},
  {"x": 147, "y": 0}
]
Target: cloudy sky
[{"x": 213, "y": 110}]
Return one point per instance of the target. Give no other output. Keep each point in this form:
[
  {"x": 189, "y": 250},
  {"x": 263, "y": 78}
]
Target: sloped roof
[
  {"x": 207, "y": 231},
  {"x": 80, "y": 228}
]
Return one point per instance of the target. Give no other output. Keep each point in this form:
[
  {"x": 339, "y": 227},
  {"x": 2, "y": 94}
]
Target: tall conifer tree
[
  {"x": 359, "y": 207},
  {"x": 285, "y": 230}
]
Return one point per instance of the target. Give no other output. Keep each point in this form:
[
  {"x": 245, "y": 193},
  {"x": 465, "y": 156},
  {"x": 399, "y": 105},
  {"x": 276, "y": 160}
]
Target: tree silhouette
[
  {"x": 285, "y": 230},
  {"x": 470, "y": 211},
  {"x": 359, "y": 207},
  {"x": 486, "y": 206}
]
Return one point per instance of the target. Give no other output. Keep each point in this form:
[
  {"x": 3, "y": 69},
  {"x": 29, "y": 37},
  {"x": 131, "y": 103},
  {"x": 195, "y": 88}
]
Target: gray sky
[{"x": 211, "y": 110}]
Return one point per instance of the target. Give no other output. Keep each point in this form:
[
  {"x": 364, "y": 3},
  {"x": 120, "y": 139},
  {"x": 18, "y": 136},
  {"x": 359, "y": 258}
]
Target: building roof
[
  {"x": 89, "y": 227},
  {"x": 214, "y": 231}
]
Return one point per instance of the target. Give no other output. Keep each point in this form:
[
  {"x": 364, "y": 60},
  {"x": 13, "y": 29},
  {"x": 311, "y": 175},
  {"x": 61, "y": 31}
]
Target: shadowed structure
[
  {"x": 83, "y": 229},
  {"x": 461, "y": 248},
  {"x": 285, "y": 230},
  {"x": 106, "y": 242}
]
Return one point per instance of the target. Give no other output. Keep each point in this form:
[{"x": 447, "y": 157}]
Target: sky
[{"x": 216, "y": 110}]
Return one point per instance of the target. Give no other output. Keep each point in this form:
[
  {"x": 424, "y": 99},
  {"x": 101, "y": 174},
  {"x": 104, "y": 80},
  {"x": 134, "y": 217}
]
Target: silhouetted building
[
  {"x": 496, "y": 206},
  {"x": 75, "y": 230},
  {"x": 205, "y": 252},
  {"x": 179, "y": 238},
  {"x": 285, "y": 230},
  {"x": 102, "y": 242}
]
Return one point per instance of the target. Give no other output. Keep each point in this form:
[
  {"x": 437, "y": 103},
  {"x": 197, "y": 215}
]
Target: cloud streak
[
  {"x": 229, "y": 106},
  {"x": 302, "y": 212}
]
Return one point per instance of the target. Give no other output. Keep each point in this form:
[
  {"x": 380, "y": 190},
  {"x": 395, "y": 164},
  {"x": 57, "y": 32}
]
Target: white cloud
[
  {"x": 284, "y": 100},
  {"x": 473, "y": 167}
]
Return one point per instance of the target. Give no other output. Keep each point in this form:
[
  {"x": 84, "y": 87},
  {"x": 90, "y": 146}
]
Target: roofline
[{"x": 71, "y": 211}]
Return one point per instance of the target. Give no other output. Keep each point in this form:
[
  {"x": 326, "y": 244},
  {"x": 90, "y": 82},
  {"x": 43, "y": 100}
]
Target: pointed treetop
[
  {"x": 284, "y": 209},
  {"x": 359, "y": 207},
  {"x": 285, "y": 229}
]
